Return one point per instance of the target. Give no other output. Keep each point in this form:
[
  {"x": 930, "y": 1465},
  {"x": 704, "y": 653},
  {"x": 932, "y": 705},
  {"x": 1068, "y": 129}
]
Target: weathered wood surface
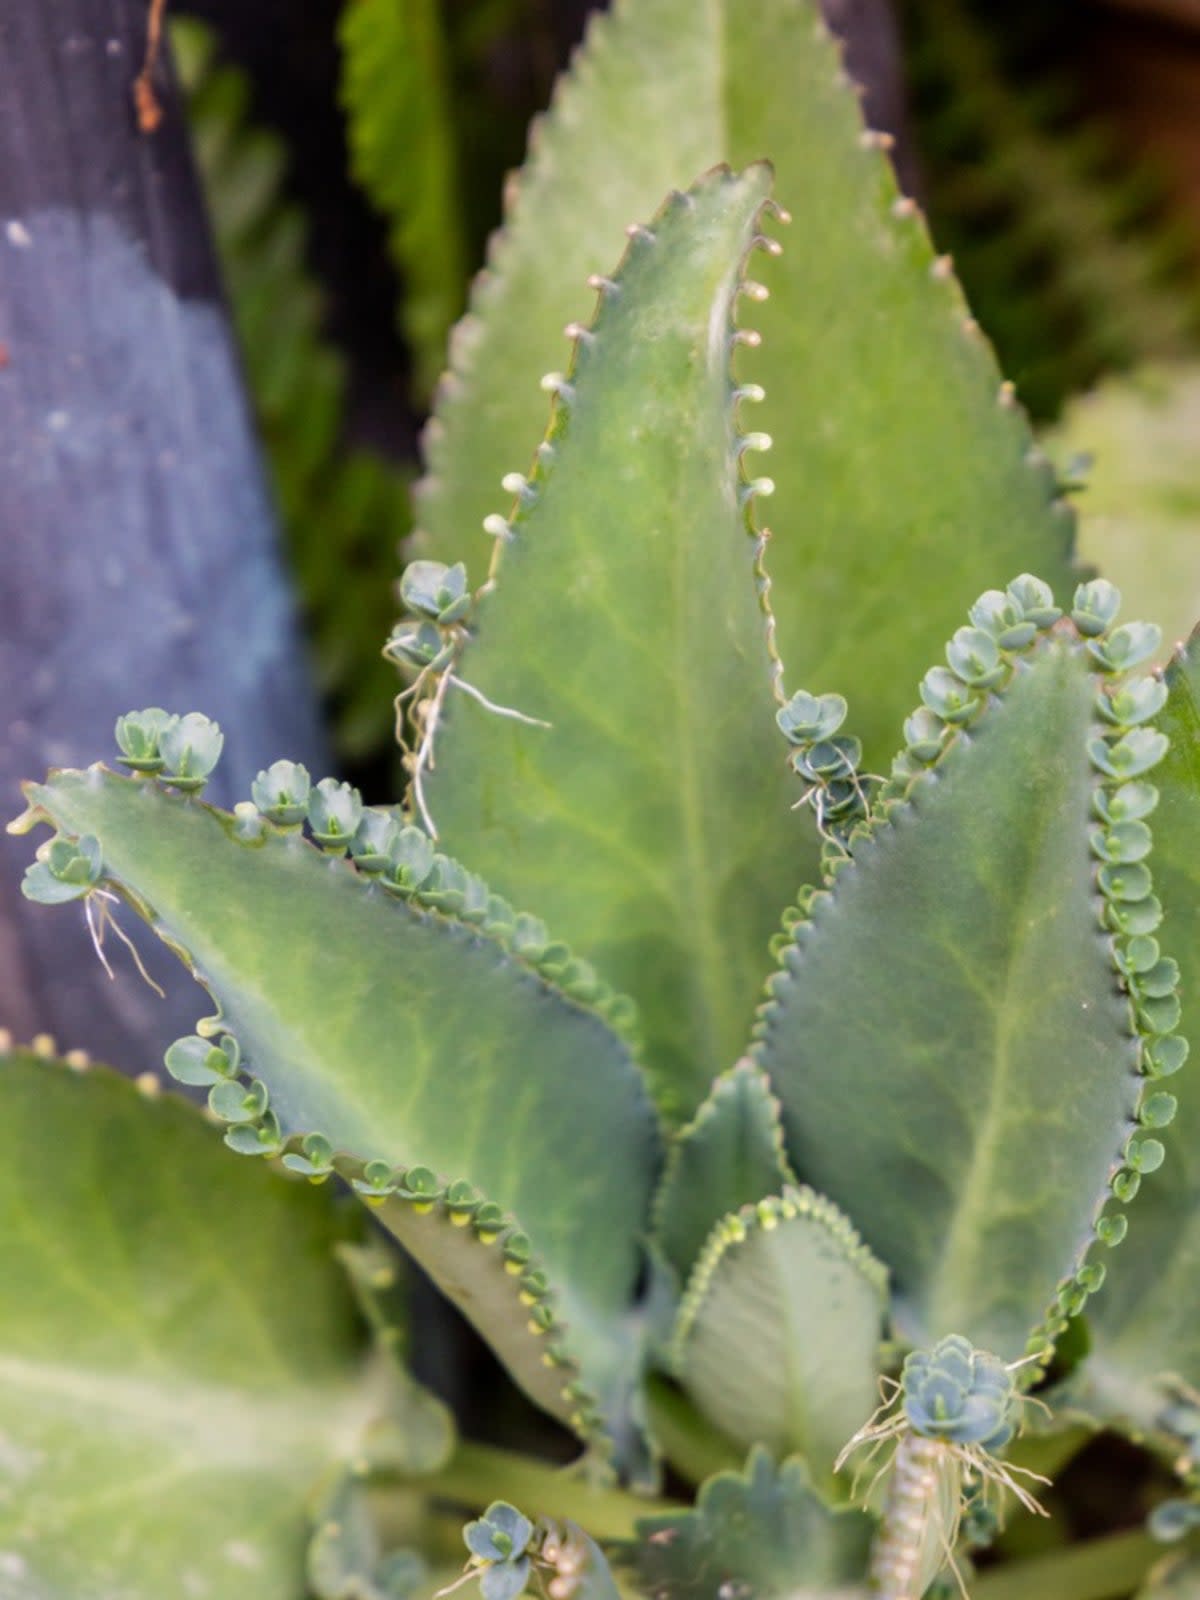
[{"x": 138, "y": 546}]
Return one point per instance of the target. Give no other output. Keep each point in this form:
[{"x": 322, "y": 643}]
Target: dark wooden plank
[{"x": 138, "y": 548}]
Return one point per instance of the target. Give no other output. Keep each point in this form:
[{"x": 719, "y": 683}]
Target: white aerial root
[
  {"x": 429, "y": 714},
  {"x": 105, "y": 919}
]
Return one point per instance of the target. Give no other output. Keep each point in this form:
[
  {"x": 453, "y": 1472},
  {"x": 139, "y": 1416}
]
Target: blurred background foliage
[{"x": 355, "y": 156}]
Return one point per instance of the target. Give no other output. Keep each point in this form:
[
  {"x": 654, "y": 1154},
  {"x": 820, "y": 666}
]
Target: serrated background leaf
[{"x": 897, "y": 459}]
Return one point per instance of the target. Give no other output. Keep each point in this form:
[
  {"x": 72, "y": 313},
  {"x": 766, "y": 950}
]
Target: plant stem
[
  {"x": 477, "y": 1474},
  {"x": 1101, "y": 1569}
]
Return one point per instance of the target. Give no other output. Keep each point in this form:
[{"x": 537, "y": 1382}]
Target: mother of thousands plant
[{"x": 709, "y": 1185}]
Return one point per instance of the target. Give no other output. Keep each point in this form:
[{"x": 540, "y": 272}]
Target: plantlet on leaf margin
[
  {"x": 431, "y": 644},
  {"x": 952, "y": 1410},
  {"x": 507, "y": 1549}
]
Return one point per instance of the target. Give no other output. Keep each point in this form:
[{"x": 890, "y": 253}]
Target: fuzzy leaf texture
[
  {"x": 401, "y": 1035},
  {"x": 777, "y": 1339},
  {"x": 957, "y": 975},
  {"x": 180, "y": 1356},
  {"x": 899, "y": 454},
  {"x": 396, "y": 95},
  {"x": 650, "y": 822}
]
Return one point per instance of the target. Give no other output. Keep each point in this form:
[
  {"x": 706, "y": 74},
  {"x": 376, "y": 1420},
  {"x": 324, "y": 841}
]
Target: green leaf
[
  {"x": 396, "y": 96},
  {"x": 1145, "y": 1323},
  {"x": 956, "y": 975},
  {"x": 899, "y": 455},
  {"x": 762, "y": 1532},
  {"x": 649, "y": 821},
  {"x": 728, "y": 1156},
  {"x": 777, "y": 1340},
  {"x": 1140, "y": 505},
  {"x": 405, "y": 1036},
  {"x": 180, "y": 1356}
]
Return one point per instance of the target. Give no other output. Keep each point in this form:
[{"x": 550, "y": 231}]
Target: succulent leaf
[
  {"x": 406, "y": 1038},
  {"x": 728, "y": 1156},
  {"x": 171, "y": 1392},
  {"x": 906, "y": 456},
  {"x": 648, "y": 821},
  {"x": 777, "y": 1339},
  {"x": 762, "y": 1532},
  {"x": 956, "y": 974}
]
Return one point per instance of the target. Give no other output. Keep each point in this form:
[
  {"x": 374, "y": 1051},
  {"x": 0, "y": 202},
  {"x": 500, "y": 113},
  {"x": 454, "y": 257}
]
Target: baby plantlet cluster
[
  {"x": 954, "y": 1409},
  {"x": 704, "y": 1212}
]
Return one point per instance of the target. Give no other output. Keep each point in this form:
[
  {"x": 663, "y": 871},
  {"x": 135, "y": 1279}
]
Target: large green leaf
[
  {"x": 650, "y": 822},
  {"x": 406, "y": 1035},
  {"x": 777, "y": 1339},
  {"x": 949, "y": 1036},
  {"x": 762, "y": 1532},
  {"x": 1145, "y": 1324},
  {"x": 906, "y": 480},
  {"x": 400, "y": 130},
  {"x": 728, "y": 1156},
  {"x": 181, "y": 1361}
]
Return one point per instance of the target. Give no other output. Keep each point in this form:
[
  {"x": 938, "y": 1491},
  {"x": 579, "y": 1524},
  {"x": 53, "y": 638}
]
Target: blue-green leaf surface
[
  {"x": 777, "y": 1339},
  {"x": 898, "y": 454},
  {"x": 650, "y": 823},
  {"x": 762, "y": 1531},
  {"x": 405, "y": 1036},
  {"x": 957, "y": 1063}
]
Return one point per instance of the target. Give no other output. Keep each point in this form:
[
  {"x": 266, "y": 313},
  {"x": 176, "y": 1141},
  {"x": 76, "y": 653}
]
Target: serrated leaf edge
[
  {"x": 923, "y": 756},
  {"x": 732, "y": 1231}
]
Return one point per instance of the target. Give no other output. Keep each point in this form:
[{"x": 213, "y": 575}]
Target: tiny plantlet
[
  {"x": 770, "y": 994},
  {"x": 951, "y": 1413}
]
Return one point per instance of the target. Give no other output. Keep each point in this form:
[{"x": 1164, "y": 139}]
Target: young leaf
[
  {"x": 900, "y": 453},
  {"x": 728, "y": 1156},
  {"x": 761, "y": 1532},
  {"x": 648, "y": 823},
  {"x": 181, "y": 1359},
  {"x": 777, "y": 1339},
  {"x": 404, "y": 1036},
  {"x": 957, "y": 976}
]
